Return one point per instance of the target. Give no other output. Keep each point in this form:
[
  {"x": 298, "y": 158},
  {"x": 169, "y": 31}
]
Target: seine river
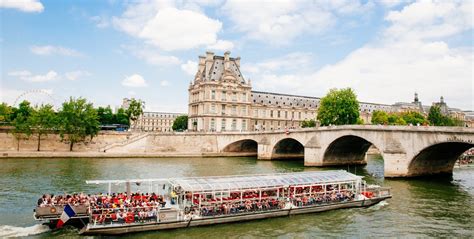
[{"x": 435, "y": 207}]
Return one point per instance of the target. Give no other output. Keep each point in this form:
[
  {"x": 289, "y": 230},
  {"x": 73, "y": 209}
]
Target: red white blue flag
[{"x": 67, "y": 213}]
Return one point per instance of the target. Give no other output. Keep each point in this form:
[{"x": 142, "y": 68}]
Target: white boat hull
[{"x": 114, "y": 229}]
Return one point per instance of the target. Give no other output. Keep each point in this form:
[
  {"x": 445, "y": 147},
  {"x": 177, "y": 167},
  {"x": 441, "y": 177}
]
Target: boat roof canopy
[
  {"x": 241, "y": 182},
  {"x": 127, "y": 181}
]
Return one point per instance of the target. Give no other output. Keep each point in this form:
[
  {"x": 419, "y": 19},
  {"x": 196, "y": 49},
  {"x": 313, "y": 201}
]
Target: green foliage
[
  {"x": 78, "y": 120},
  {"x": 105, "y": 115},
  {"x": 380, "y": 117},
  {"x": 6, "y": 112},
  {"x": 400, "y": 121},
  {"x": 180, "y": 123},
  {"x": 134, "y": 110},
  {"x": 22, "y": 128},
  {"x": 339, "y": 107},
  {"x": 360, "y": 121},
  {"x": 308, "y": 123},
  {"x": 43, "y": 120},
  {"x": 436, "y": 118},
  {"x": 121, "y": 117},
  {"x": 414, "y": 118}
]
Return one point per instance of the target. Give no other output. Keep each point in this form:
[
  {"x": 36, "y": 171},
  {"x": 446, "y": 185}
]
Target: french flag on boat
[{"x": 67, "y": 213}]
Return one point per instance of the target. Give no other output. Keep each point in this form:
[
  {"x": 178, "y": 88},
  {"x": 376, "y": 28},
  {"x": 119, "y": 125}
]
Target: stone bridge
[{"x": 406, "y": 150}]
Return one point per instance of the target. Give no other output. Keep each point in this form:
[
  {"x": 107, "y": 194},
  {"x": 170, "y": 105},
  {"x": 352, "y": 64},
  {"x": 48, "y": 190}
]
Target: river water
[{"x": 431, "y": 207}]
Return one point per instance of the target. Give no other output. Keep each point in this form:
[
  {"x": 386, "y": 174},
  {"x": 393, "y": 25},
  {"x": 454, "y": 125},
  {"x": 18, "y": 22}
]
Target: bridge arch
[
  {"x": 288, "y": 148},
  {"x": 347, "y": 149},
  {"x": 437, "y": 158},
  {"x": 244, "y": 146}
]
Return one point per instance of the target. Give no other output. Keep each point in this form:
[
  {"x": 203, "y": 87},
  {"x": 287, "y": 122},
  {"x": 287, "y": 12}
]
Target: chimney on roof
[
  {"x": 209, "y": 55},
  {"x": 226, "y": 55},
  {"x": 237, "y": 61}
]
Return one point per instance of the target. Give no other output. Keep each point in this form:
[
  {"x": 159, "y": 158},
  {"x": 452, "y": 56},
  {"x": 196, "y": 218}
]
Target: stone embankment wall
[
  {"x": 115, "y": 144},
  {"x": 53, "y": 143}
]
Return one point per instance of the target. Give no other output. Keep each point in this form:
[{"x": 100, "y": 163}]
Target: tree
[
  {"x": 308, "y": 123},
  {"x": 43, "y": 121},
  {"x": 6, "y": 112},
  {"x": 22, "y": 128},
  {"x": 180, "y": 123},
  {"x": 339, "y": 107},
  {"x": 135, "y": 109},
  {"x": 379, "y": 117},
  {"x": 436, "y": 118},
  {"x": 78, "y": 120},
  {"x": 121, "y": 117},
  {"x": 414, "y": 118},
  {"x": 106, "y": 116}
]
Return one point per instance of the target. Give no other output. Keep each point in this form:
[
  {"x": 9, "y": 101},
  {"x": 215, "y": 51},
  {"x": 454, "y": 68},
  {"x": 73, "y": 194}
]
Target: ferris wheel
[{"x": 37, "y": 97}]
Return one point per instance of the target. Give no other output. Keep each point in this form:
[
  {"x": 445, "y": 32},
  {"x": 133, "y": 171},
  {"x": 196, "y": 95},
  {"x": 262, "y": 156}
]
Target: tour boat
[{"x": 199, "y": 201}]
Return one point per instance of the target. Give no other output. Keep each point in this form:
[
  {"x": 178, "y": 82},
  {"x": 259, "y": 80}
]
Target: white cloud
[
  {"x": 23, "y": 5},
  {"x": 54, "y": 50},
  {"x": 170, "y": 27},
  {"x": 190, "y": 67},
  {"x": 396, "y": 64},
  {"x": 28, "y": 76},
  {"x": 430, "y": 20},
  {"x": 134, "y": 80},
  {"x": 164, "y": 83},
  {"x": 282, "y": 21},
  {"x": 132, "y": 93},
  {"x": 152, "y": 56},
  {"x": 75, "y": 75},
  {"x": 221, "y": 45},
  {"x": 290, "y": 62}
]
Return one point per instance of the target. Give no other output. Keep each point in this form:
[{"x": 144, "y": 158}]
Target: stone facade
[
  {"x": 155, "y": 121},
  {"x": 220, "y": 99}
]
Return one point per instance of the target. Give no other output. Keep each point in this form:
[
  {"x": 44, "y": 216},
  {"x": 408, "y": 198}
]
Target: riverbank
[{"x": 50, "y": 154}]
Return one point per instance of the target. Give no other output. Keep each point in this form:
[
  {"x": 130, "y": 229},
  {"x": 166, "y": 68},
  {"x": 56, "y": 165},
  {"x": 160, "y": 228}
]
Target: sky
[{"x": 104, "y": 51}]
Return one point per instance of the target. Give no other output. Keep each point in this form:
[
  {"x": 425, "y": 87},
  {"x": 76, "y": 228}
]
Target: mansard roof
[{"x": 216, "y": 71}]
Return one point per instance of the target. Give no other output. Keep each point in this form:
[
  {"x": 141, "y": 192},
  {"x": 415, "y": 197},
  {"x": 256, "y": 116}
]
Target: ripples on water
[{"x": 431, "y": 207}]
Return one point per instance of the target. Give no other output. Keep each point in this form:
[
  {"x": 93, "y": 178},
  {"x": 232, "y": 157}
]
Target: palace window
[
  {"x": 223, "y": 126},
  {"x": 244, "y": 110},
  {"x": 224, "y": 95},
  {"x": 223, "y": 110},
  {"x": 271, "y": 113},
  {"x": 234, "y": 109},
  {"x": 213, "y": 125},
  {"x": 213, "y": 108},
  {"x": 213, "y": 94},
  {"x": 234, "y": 124},
  {"x": 234, "y": 96},
  {"x": 244, "y": 125}
]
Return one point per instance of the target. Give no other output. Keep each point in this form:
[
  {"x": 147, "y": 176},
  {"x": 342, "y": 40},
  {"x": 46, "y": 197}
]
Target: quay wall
[{"x": 114, "y": 144}]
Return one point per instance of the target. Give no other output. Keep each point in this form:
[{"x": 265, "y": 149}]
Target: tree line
[
  {"x": 341, "y": 107},
  {"x": 76, "y": 121}
]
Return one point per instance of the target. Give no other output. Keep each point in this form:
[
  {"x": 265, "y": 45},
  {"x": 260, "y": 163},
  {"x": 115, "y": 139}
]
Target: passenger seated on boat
[{"x": 120, "y": 217}]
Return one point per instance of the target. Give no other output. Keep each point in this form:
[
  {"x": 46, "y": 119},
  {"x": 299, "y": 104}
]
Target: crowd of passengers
[
  {"x": 253, "y": 201},
  {"x": 111, "y": 208}
]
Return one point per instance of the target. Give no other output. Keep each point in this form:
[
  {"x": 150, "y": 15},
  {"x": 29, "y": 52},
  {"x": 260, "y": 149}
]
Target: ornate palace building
[{"x": 221, "y": 99}]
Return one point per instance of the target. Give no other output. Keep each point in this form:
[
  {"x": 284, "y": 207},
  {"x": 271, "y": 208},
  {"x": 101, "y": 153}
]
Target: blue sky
[{"x": 108, "y": 50}]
